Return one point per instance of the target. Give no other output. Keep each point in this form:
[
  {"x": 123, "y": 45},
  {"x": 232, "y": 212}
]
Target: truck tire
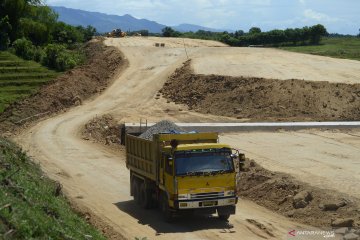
[
  {"x": 136, "y": 191},
  {"x": 165, "y": 209},
  {"x": 144, "y": 197},
  {"x": 224, "y": 217}
]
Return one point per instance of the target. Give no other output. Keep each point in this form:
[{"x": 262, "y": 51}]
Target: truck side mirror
[{"x": 241, "y": 161}]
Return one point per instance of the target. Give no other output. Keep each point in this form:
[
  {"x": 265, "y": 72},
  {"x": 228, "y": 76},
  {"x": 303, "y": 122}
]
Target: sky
[{"x": 338, "y": 16}]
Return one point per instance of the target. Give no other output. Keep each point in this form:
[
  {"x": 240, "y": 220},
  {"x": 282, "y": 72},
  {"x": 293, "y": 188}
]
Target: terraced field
[{"x": 20, "y": 78}]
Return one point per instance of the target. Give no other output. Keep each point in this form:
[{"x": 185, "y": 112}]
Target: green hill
[
  {"x": 333, "y": 47},
  {"x": 31, "y": 205},
  {"x": 20, "y": 78}
]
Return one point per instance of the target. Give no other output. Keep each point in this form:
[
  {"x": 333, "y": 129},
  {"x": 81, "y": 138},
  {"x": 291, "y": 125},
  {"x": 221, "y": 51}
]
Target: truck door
[
  {"x": 169, "y": 174},
  {"x": 161, "y": 170}
]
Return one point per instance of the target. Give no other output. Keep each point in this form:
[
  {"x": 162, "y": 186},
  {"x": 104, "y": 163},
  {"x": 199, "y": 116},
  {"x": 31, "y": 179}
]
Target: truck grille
[{"x": 206, "y": 195}]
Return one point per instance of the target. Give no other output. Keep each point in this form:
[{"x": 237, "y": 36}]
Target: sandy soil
[
  {"x": 325, "y": 159},
  {"x": 276, "y": 64},
  {"x": 96, "y": 177},
  {"x": 263, "y": 99}
]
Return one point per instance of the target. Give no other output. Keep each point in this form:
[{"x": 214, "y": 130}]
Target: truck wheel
[
  {"x": 167, "y": 214},
  {"x": 224, "y": 217},
  {"x": 136, "y": 191},
  {"x": 145, "y": 198},
  {"x": 132, "y": 187}
]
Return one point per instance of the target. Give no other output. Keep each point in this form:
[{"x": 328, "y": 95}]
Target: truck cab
[{"x": 200, "y": 177}]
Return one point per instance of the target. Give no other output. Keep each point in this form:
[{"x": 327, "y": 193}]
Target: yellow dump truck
[{"x": 186, "y": 172}]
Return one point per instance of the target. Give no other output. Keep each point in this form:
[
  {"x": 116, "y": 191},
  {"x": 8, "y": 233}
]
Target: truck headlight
[
  {"x": 229, "y": 193},
  {"x": 182, "y": 196}
]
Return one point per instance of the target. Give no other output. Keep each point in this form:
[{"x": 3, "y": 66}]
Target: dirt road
[
  {"x": 325, "y": 159},
  {"x": 97, "y": 178}
]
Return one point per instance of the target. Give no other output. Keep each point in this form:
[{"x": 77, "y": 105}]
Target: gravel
[{"x": 164, "y": 126}]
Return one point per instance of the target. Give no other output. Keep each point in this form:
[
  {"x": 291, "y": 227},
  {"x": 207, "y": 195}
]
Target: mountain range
[{"x": 105, "y": 22}]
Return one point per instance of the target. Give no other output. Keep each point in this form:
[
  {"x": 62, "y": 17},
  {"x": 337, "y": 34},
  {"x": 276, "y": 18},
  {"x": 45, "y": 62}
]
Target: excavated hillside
[
  {"x": 261, "y": 99},
  {"x": 69, "y": 89}
]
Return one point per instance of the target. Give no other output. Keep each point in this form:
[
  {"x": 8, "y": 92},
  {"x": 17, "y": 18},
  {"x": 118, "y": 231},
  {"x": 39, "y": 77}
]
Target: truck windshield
[{"x": 204, "y": 161}]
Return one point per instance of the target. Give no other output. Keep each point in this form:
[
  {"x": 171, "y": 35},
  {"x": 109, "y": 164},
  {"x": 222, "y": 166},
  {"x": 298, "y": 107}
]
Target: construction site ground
[{"x": 95, "y": 176}]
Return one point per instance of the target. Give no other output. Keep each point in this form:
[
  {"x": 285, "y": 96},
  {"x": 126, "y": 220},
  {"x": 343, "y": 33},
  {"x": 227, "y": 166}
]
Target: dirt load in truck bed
[{"x": 163, "y": 126}]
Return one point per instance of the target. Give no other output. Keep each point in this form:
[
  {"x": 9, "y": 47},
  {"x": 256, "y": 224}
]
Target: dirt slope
[
  {"x": 262, "y": 99},
  {"x": 96, "y": 177},
  {"x": 69, "y": 89}
]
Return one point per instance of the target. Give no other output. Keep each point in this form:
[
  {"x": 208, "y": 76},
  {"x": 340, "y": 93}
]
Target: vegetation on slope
[
  {"x": 333, "y": 47},
  {"x": 20, "y": 78},
  {"x": 312, "y": 40},
  {"x": 34, "y": 31},
  {"x": 31, "y": 205},
  {"x": 291, "y": 36}
]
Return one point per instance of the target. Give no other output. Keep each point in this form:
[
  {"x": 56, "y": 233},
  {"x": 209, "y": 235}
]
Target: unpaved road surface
[
  {"x": 325, "y": 159},
  {"x": 276, "y": 64},
  {"x": 97, "y": 178}
]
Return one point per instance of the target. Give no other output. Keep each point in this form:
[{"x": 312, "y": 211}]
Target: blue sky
[{"x": 341, "y": 16}]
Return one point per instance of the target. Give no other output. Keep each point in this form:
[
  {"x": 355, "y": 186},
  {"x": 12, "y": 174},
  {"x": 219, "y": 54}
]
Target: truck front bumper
[{"x": 209, "y": 203}]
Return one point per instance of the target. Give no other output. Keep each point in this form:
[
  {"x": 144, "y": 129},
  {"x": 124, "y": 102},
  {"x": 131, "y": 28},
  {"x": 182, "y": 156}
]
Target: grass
[
  {"x": 31, "y": 205},
  {"x": 348, "y": 48},
  {"x": 20, "y": 78}
]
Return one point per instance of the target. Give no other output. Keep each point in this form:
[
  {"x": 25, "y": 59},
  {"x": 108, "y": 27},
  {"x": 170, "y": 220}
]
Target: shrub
[
  {"x": 38, "y": 54},
  {"x": 65, "y": 61},
  {"x": 57, "y": 57},
  {"x": 24, "y": 48},
  {"x": 52, "y": 52}
]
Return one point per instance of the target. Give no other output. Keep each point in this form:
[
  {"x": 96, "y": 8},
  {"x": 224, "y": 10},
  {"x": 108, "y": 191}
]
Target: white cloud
[
  {"x": 318, "y": 16},
  {"x": 302, "y": 2}
]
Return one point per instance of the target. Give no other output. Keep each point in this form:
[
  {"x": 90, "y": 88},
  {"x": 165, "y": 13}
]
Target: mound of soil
[
  {"x": 104, "y": 130},
  {"x": 69, "y": 89},
  {"x": 294, "y": 199},
  {"x": 260, "y": 99}
]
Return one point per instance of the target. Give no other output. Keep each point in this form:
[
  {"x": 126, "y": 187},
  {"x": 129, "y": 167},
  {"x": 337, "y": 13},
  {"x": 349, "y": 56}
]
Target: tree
[
  {"x": 239, "y": 33},
  {"x": 169, "y": 32},
  {"x": 316, "y": 32},
  {"x": 15, "y": 10},
  {"x": 64, "y": 33},
  {"x": 254, "y": 30},
  {"x": 304, "y": 35},
  {"x": 87, "y": 32},
  {"x": 37, "y": 32},
  {"x": 291, "y": 35},
  {"x": 144, "y": 33},
  {"x": 5, "y": 29}
]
